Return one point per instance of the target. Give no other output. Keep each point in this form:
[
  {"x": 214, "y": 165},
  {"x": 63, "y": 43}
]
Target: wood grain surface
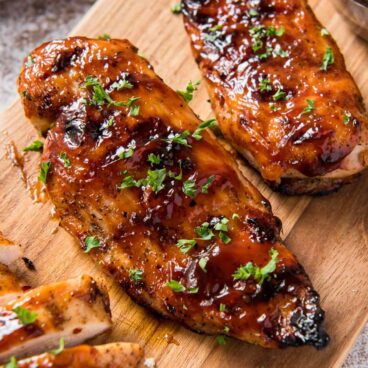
[{"x": 328, "y": 234}]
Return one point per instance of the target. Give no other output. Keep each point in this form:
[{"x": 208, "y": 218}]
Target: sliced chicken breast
[
  {"x": 75, "y": 310},
  {"x": 114, "y": 355}
]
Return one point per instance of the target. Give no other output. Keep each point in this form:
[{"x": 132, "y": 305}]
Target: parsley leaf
[
  {"x": 176, "y": 8},
  {"x": 203, "y": 263},
  {"x": 155, "y": 179},
  {"x": 309, "y": 108},
  {"x": 175, "y": 286},
  {"x": 253, "y": 12},
  {"x": 279, "y": 95},
  {"x": 121, "y": 84},
  {"x": 90, "y": 243},
  {"x": 63, "y": 157},
  {"x": 128, "y": 182},
  {"x": 135, "y": 275},
  {"x": 258, "y": 273},
  {"x": 154, "y": 159},
  {"x": 45, "y": 167},
  {"x": 222, "y": 307},
  {"x": 35, "y": 146},
  {"x": 347, "y": 117},
  {"x": 189, "y": 188},
  {"x": 12, "y": 363},
  {"x": 25, "y": 316},
  {"x": 224, "y": 238},
  {"x": 221, "y": 225},
  {"x": 206, "y": 186},
  {"x": 126, "y": 152},
  {"x": 187, "y": 94},
  {"x": 134, "y": 110},
  {"x": 328, "y": 59},
  {"x": 214, "y": 33},
  {"x": 324, "y": 32},
  {"x": 265, "y": 85},
  {"x": 186, "y": 245},
  {"x": 221, "y": 340},
  {"x": 60, "y": 349},
  {"x": 178, "y": 176},
  {"x": 104, "y": 36},
  {"x": 178, "y": 138},
  {"x": 235, "y": 216},
  {"x": 204, "y": 125},
  {"x": 204, "y": 232}
]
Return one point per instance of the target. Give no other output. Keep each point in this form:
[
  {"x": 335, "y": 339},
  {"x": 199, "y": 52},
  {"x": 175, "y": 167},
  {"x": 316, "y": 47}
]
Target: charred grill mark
[{"x": 65, "y": 59}]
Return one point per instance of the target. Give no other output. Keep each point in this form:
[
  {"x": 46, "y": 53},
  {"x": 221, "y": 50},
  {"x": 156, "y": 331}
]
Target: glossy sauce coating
[
  {"x": 138, "y": 228},
  {"x": 296, "y": 151}
]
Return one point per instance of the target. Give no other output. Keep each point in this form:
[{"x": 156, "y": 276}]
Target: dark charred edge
[
  {"x": 308, "y": 326},
  {"x": 311, "y": 186}
]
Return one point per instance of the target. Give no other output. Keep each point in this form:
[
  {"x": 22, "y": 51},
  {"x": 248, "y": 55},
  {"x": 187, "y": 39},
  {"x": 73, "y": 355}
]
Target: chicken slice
[
  {"x": 114, "y": 355},
  {"x": 10, "y": 285},
  {"x": 76, "y": 310},
  {"x": 158, "y": 202},
  {"x": 281, "y": 92}
]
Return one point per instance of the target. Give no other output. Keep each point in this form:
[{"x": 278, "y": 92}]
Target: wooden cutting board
[{"x": 328, "y": 234}]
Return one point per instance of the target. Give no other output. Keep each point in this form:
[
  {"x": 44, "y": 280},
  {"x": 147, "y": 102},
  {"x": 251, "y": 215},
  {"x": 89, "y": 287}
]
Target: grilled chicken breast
[
  {"x": 10, "y": 286},
  {"x": 114, "y": 355},
  {"x": 75, "y": 310},
  {"x": 158, "y": 202},
  {"x": 280, "y": 90}
]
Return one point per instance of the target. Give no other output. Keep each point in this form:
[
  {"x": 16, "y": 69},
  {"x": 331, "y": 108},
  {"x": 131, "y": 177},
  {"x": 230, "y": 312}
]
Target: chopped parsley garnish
[
  {"x": 176, "y": 286},
  {"x": 203, "y": 263},
  {"x": 324, "y": 32},
  {"x": 189, "y": 188},
  {"x": 176, "y": 8},
  {"x": 328, "y": 59},
  {"x": 64, "y": 157},
  {"x": 187, "y": 94},
  {"x": 265, "y": 85},
  {"x": 204, "y": 125},
  {"x": 215, "y": 33},
  {"x": 155, "y": 179},
  {"x": 207, "y": 184},
  {"x": 104, "y": 36},
  {"x": 126, "y": 152},
  {"x": 235, "y": 216},
  {"x": 178, "y": 138},
  {"x": 100, "y": 96},
  {"x": 279, "y": 95},
  {"x": 224, "y": 238},
  {"x": 177, "y": 176},
  {"x": 193, "y": 290},
  {"x": 347, "y": 117},
  {"x": 128, "y": 182},
  {"x": 154, "y": 159},
  {"x": 135, "y": 275},
  {"x": 45, "y": 167},
  {"x": 121, "y": 84},
  {"x": 134, "y": 110},
  {"x": 25, "y": 316},
  {"x": 186, "y": 245},
  {"x": 272, "y": 31},
  {"x": 12, "y": 363},
  {"x": 253, "y": 12},
  {"x": 221, "y": 225},
  {"x": 309, "y": 108},
  {"x": 30, "y": 61},
  {"x": 221, "y": 340},
  {"x": 35, "y": 146},
  {"x": 222, "y": 308},
  {"x": 204, "y": 232},
  {"x": 257, "y": 45},
  {"x": 273, "y": 107},
  {"x": 91, "y": 242},
  {"x": 60, "y": 349},
  {"x": 258, "y": 273}
]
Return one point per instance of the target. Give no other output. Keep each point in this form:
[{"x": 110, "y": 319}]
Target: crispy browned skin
[
  {"x": 114, "y": 355},
  {"x": 295, "y": 153},
  {"x": 138, "y": 228}
]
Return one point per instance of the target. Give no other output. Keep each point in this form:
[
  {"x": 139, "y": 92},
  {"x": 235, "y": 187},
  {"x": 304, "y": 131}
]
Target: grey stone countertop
[{"x": 26, "y": 23}]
